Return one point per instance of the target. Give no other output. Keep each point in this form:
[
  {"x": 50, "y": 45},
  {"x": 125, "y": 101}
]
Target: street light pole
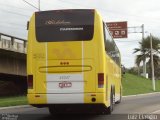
[
  {"x": 152, "y": 64},
  {"x": 144, "y": 61}
]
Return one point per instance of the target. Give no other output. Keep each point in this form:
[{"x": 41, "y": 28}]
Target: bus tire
[
  {"x": 52, "y": 111},
  {"x": 119, "y": 101},
  {"x": 112, "y": 102}
]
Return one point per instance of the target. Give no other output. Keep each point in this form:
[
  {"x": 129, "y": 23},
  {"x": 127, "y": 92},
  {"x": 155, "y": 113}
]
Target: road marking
[
  {"x": 141, "y": 94},
  {"x": 157, "y": 111},
  {"x": 13, "y": 101},
  {"x": 13, "y": 107}
]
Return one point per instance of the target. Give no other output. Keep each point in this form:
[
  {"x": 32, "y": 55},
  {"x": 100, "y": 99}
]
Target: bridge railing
[{"x": 12, "y": 43}]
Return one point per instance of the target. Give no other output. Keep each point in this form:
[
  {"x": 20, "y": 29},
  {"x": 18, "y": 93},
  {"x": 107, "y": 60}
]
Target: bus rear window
[{"x": 64, "y": 25}]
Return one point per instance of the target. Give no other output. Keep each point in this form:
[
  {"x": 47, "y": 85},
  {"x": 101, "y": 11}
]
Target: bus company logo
[
  {"x": 57, "y": 22},
  {"x": 65, "y": 84}
]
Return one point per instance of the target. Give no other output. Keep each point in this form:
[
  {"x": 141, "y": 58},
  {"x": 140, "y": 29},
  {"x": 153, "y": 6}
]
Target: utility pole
[
  {"x": 142, "y": 31},
  {"x": 144, "y": 60},
  {"x": 39, "y": 6},
  {"x": 152, "y": 64}
]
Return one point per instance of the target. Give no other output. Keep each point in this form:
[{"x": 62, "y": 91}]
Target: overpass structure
[{"x": 12, "y": 55}]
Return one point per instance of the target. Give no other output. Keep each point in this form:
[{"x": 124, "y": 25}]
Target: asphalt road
[{"x": 133, "y": 107}]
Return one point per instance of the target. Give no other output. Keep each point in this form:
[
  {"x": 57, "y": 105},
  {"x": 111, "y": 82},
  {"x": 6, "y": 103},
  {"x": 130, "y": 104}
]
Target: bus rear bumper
[
  {"x": 76, "y": 98},
  {"x": 77, "y": 108}
]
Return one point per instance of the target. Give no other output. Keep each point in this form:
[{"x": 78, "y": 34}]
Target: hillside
[{"x": 133, "y": 84}]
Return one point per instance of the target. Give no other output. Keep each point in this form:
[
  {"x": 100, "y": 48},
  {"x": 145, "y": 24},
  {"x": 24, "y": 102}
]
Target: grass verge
[
  {"x": 13, "y": 101},
  {"x": 133, "y": 85}
]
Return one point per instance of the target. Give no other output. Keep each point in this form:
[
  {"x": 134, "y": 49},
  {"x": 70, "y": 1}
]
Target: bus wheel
[
  {"x": 52, "y": 111},
  {"x": 119, "y": 101},
  {"x": 112, "y": 102}
]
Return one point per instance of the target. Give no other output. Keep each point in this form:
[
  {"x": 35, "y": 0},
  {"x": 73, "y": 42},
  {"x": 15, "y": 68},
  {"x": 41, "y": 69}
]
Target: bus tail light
[
  {"x": 30, "y": 81},
  {"x": 100, "y": 80}
]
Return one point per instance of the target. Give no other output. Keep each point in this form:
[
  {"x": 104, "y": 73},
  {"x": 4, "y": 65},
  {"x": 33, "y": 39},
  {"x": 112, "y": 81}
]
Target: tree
[{"x": 145, "y": 51}]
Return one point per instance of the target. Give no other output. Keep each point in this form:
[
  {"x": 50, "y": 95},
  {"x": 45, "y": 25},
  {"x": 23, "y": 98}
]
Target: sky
[{"x": 14, "y": 15}]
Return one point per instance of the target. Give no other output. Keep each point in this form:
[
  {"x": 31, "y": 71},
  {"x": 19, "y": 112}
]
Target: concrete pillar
[
  {"x": 12, "y": 43},
  {"x": 24, "y": 46},
  {"x": 0, "y": 41}
]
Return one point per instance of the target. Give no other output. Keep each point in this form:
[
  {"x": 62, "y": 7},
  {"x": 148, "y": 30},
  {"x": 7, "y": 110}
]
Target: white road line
[
  {"x": 13, "y": 107},
  {"x": 13, "y": 101},
  {"x": 154, "y": 112},
  {"x": 141, "y": 94}
]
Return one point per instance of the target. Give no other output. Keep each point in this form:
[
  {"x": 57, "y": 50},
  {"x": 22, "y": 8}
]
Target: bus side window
[
  {"x": 104, "y": 32},
  {"x": 110, "y": 46}
]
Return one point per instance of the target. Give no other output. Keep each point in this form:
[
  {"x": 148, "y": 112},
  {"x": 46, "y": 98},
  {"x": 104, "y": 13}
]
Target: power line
[
  {"x": 105, "y": 10},
  {"x": 31, "y": 4},
  {"x": 11, "y": 12},
  {"x": 4, "y": 26},
  {"x": 73, "y": 3},
  {"x": 13, "y": 24},
  {"x": 11, "y": 6}
]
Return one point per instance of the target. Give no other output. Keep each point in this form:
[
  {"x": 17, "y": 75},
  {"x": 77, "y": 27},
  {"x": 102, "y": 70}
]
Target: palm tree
[{"x": 144, "y": 51}]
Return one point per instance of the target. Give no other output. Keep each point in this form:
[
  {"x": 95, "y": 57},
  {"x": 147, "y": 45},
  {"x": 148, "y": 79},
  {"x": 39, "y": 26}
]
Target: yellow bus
[{"x": 73, "y": 64}]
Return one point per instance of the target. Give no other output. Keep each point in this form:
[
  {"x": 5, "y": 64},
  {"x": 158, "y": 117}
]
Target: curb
[
  {"x": 26, "y": 106},
  {"x": 13, "y": 107},
  {"x": 141, "y": 94}
]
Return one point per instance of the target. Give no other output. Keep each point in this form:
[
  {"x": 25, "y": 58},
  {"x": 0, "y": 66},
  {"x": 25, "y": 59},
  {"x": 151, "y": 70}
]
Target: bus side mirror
[
  {"x": 123, "y": 69},
  {"x": 27, "y": 25}
]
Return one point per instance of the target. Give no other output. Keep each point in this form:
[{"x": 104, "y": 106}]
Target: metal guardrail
[{"x": 12, "y": 43}]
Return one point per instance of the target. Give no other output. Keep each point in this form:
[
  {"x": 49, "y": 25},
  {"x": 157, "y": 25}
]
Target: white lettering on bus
[
  {"x": 57, "y": 22},
  {"x": 70, "y": 29}
]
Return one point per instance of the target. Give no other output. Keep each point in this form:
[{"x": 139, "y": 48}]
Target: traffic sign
[{"x": 118, "y": 29}]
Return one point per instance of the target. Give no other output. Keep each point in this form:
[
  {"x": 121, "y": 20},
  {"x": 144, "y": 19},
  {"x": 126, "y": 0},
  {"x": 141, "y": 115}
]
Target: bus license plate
[{"x": 65, "y": 84}]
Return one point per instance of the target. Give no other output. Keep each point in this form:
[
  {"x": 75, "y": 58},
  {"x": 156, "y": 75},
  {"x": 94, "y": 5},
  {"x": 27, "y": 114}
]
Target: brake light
[
  {"x": 30, "y": 81},
  {"x": 100, "y": 80}
]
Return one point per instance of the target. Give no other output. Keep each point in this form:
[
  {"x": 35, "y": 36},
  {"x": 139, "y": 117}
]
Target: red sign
[{"x": 118, "y": 29}]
